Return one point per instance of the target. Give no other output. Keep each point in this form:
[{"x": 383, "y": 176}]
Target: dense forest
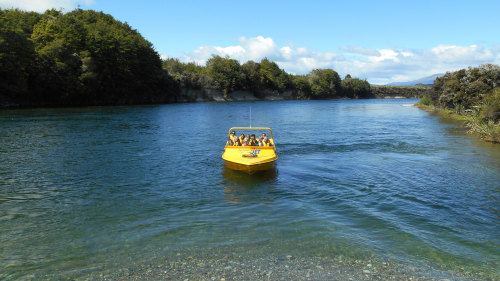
[
  {"x": 474, "y": 95},
  {"x": 85, "y": 57},
  {"x": 228, "y": 75},
  {"x": 77, "y": 58}
]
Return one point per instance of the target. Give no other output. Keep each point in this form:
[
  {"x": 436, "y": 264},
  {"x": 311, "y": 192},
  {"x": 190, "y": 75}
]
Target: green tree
[
  {"x": 16, "y": 53},
  {"x": 226, "y": 72},
  {"x": 325, "y": 83},
  {"x": 356, "y": 88},
  {"x": 272, "y": 77},
  {"x": 302, "y": 86},
  {"x": 77, "y": 58},
  {"x": 251, "y": 71}
]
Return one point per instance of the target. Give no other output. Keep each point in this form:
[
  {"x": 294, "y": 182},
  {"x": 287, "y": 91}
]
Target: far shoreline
[{"x": 195, "y": 96}]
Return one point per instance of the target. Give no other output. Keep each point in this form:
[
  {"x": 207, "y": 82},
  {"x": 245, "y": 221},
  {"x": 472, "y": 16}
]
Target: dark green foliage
[
  {"x": 20, "y": 20},
  {"x": 227, "y": 75},
  {"x": 265, "y": 77},
  {"x": 325, "y": 83},
  {"x": 426, "y": 100},
  {"x": 226, "y": 72},
  {"x": 89, "y": 58},
  {"x": 252, "y": 81},
  {"x": 16, "y": 53},
  {"x": 356, "y": 88},
  {"x": 78, "y": 58},
  {"x": 417, "y": 91},
  {"x": 475, "y": 93},
  {"x": 464, "y": 89},
  {"x": 273, "y": 77},
  {"x": 302, "y": 86},
  {"x": 187, "y": 75},
  {"x": 490, "y": 109}
]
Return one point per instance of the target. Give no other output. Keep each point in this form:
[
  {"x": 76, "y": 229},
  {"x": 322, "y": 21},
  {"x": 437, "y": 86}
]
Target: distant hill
[{"x": 429, "y": 80}]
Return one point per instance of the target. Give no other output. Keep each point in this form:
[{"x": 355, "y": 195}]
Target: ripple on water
[{"x": 131, "y": 192}]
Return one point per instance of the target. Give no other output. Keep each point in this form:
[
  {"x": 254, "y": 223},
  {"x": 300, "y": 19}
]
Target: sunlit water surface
[{"x": 94, "y": 189}]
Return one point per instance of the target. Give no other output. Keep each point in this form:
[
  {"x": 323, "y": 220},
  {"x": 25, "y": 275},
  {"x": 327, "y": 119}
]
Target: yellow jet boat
[{"x": 250, "y": 159}]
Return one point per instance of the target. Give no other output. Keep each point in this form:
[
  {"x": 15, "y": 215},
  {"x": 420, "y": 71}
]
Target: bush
[
  {"x": 464, "y": 90},
  {"x": 356, "y": 88},
  {"x": 427, "y": 101},
  {"x": 490, "y": 110}
]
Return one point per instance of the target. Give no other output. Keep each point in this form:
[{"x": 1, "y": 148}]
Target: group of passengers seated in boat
[{"x": 248, "y": 140}]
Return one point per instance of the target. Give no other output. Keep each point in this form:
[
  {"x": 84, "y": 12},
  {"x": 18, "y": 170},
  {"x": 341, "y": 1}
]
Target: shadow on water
[
  {"x": 250, "y": 179},
  {"x": 240, "y": 187}
]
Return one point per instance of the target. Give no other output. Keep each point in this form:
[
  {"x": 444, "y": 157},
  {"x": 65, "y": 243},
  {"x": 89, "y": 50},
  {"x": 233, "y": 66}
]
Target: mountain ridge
[{"x": 428, "y": 80}]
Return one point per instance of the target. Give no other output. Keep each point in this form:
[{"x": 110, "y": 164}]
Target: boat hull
[{"x": 250, "y": 168}]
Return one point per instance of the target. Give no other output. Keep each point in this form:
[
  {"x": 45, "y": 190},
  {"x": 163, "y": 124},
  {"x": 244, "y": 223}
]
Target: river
[{"x": 363, "y": 189}]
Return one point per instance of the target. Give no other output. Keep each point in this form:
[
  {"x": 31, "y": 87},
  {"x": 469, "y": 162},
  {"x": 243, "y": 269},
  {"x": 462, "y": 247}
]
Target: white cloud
[
  {"x": 293, "y": 59},
  {"x": 378, "y": 66},
  {"x": 42, "y": 5}
]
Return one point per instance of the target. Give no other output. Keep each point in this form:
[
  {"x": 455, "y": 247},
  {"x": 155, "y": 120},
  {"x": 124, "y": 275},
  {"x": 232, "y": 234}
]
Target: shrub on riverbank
[{"x": 472, "y": 94}]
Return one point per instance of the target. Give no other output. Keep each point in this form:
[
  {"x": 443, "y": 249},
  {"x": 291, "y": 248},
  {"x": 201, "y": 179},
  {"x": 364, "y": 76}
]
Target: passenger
[
  {"x": 242, "y": 138},
  {"x": 264, "y": 135},
  {"x": 253, "y": 141},
  {"x": 245, "y": 142},
  {"x": 266, "y": 142},
  {"x": 229, "y": 142},
  {"x": 237, "y": 142},
  {"x": 260, "y": 143},
  {"x": 233, "y": 136}
]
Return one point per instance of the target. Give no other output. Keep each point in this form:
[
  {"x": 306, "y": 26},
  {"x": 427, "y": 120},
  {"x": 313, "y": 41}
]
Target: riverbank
[
  {"x": 231, "y": 266},
  {"x": 208, "y": 95},
  {"x": 379, "y": 92},
  {"x": 488, "y": 131},
  {"x": 470, "y": 95},
  {"x": 213, "y": 95}
]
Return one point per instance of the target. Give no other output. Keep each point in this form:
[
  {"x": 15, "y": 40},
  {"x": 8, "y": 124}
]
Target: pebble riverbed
[{"x": 223, "y": 264}]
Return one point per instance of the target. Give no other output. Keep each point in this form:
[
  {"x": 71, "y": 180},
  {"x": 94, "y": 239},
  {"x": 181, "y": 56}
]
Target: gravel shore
[{"x": 223, "y": 264}]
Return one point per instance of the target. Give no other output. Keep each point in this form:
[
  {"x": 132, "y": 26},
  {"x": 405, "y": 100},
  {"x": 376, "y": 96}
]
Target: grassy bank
[{"x": 487, "y": 130}]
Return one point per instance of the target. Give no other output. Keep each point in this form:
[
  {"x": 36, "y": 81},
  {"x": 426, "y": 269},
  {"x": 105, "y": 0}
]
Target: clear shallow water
[{"x": 92, "y": 190}]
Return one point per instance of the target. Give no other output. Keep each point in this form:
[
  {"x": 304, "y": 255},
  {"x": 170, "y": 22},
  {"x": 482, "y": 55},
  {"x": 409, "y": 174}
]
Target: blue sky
[{"x": 382, "y": 41}]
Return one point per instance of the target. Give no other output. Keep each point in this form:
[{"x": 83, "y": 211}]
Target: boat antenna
[{"x": 250, "y": 116}]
